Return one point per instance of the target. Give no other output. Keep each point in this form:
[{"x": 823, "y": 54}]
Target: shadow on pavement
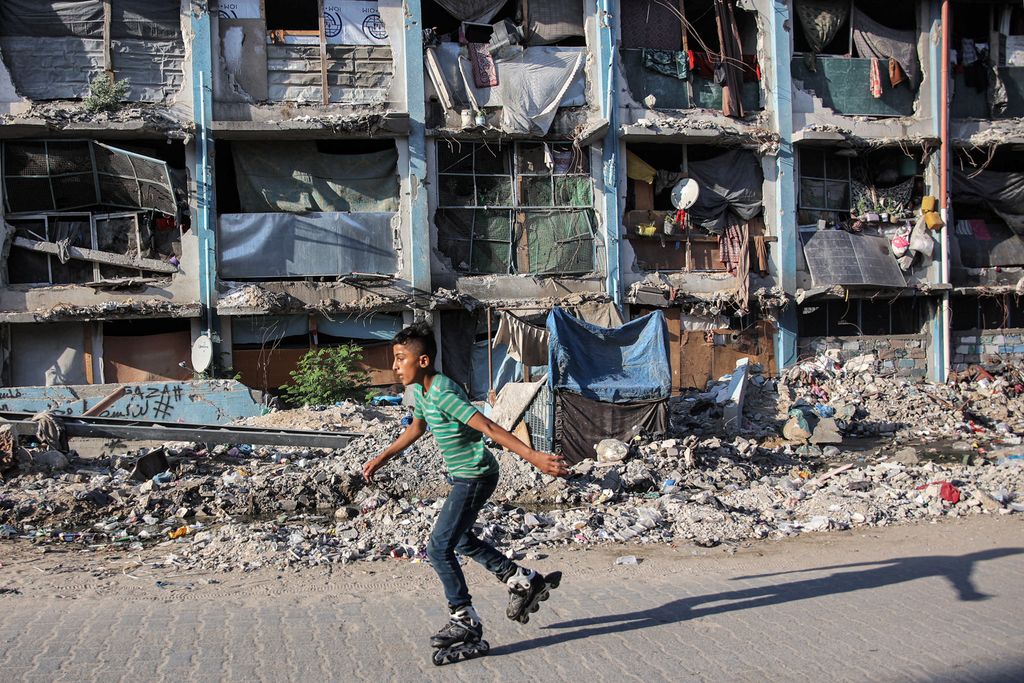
[{"x": 863, "y": 576}]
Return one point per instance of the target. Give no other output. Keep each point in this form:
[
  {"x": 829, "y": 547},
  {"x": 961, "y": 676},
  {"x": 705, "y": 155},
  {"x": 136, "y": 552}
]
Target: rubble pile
[
  {"x": 864, "y": 397},
  {"x": 242, "y": 508}
]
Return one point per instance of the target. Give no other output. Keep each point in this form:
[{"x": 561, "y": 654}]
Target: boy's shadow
[{"x": 957, "y": 569}]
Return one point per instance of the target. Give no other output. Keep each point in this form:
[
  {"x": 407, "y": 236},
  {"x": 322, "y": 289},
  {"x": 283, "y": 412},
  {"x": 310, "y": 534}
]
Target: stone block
[
  {"x": 963, "y": 348},
  {"x": 913, "y": 343},
  {"x": 917, "y": 353},
  {"x": 907, "y": 363},
  {"x": 888, "y": 365},
  {"x": 999, "y": 339},
  {"x": 1018, "y": 348},
  {"x": 990, "y": 349},
  {"x": 968, "y": 340},
  {"x": 919, "y": 373}
]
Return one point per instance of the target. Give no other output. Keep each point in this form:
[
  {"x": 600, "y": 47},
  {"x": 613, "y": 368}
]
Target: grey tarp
[
  {"x": 821, "y": 20},
  {"x": 1000, "y": 191},
  {"x": 448, "y": 57},
  {"x": 474, "y": 11},
  {"x": 730, "y": 189},
  {"x": 551, "y": 22},
  {"x": 277, "y": 245},
  {"x": 881, "y": 42},
  {"x": 533, "y": 85},
  {"x": 147, "y": 49},
  {"x": 81, "y": 18},
  {"x": 294, "y": 176}
]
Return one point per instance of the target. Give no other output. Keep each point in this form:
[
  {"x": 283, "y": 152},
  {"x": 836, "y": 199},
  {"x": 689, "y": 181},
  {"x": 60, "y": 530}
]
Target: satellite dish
[
  {"x": 202, "y": 353},
  {"x": 684, "y": 193}
]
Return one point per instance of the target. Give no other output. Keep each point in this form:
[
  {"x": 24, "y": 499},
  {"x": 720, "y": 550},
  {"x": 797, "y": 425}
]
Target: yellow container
[
  {"x": 928, "y": 204},
  {"x": 933, "y": 220},
  {"x": 646, "y": 230}
]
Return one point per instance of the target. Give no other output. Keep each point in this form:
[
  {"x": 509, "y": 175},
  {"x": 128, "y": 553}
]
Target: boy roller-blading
[{"x": 473, "y": 473}]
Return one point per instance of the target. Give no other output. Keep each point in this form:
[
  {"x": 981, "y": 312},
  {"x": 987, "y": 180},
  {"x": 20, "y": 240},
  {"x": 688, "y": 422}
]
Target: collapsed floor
[{"x": 930, "y": 451}]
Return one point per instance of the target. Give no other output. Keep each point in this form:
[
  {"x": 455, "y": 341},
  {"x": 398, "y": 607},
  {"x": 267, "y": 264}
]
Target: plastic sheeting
[
  {"x": 881, "y": 42},
  {"x": 294, "y": 176},
  {"x": 146, "y": 47},
  {"x": 620, "y": 365},
  {"x": 1000, "y": 191},
  {"x": 273, "y": 245},
  {"x": 531, "y": 85},
  {"x": 580, "y": 423},
  {"x": 821, "y": 20},
  {"x": 473, "y": 11},
  {"x": 730, "y": 190},
  {"x": 266, "y": 329}
]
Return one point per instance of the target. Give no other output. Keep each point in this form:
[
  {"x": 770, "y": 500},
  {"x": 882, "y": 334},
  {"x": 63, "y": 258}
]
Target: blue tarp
[{"x": 615, "y": 365}]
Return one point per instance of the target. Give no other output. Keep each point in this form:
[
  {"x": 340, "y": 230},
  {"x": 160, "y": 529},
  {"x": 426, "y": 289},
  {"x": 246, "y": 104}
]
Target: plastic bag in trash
[{"x": 611, "y": 450}]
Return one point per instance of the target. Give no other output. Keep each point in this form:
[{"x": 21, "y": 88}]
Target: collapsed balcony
[
  {"x": 138, "y": 43},
  {"x": 860, "y": 220},
  {"x": 860, "y": 58},
  {"x": 82, "y": 212},
  {"x": 701, "y": 54},
  {"x": 506, "y": 64}
]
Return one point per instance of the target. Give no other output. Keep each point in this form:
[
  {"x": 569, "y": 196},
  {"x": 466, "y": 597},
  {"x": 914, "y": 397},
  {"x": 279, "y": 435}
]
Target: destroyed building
[{"x": 282, "y": 176}]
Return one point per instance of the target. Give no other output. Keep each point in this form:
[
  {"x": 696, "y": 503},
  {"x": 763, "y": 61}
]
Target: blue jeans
[{"x": 453, "y": 531}]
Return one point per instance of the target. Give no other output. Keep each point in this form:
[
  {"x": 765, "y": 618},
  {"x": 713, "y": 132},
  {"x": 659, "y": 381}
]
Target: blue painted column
[
  {"x": 418, "y": 248},
  {"x": 939, "y": 337},
  {"x": 202, "y": 115},
  {"x": 784, "y": 258},
  {"x": 610, "y": 164}
]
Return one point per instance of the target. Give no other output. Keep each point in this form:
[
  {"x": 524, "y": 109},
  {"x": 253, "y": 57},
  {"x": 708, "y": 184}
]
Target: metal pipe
[
  {"x": 945, "y": 152},
  {"x": 490, "y": 358}
]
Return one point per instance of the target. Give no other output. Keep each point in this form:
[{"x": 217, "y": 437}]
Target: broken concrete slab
[{"x": 826, "y": 432}]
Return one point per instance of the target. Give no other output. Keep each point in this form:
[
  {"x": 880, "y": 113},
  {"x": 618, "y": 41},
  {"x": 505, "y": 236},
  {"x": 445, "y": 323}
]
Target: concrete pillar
[
  {"x": 205, "y": 209},
  {"x": 417, "y": 247},
  {"x": 784, "y": 258},
  {"x": 607, "y": 52}
]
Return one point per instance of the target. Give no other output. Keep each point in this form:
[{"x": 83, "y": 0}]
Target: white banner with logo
[
  {"x": 354, "y": 22},
  {"x": 346, "y": 22}
]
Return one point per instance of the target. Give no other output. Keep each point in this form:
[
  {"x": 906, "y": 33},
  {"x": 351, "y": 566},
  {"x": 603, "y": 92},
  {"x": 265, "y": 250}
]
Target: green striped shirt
[{"x": 448, "y": 411}]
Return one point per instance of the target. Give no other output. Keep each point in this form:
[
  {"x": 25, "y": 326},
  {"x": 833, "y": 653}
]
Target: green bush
[
  {"x": 327, "y": 375},
  {"x": 106, "y": 93}
]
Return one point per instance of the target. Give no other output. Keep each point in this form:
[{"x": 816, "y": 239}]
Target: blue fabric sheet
[{"x": 616, "y": 365}]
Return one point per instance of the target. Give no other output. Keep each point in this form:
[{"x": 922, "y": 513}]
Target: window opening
[{"x": 522, "y": 208}]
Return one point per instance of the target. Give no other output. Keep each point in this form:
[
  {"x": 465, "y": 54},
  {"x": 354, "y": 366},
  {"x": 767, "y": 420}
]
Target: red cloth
[
  {"x": 875, "y": 79},
  {"x": 703, "y": 64},
  {"x": 730, "y": 244}
]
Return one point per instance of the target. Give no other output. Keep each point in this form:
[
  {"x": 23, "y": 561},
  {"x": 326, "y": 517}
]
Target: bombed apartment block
[{"x": 772, "y": 179}]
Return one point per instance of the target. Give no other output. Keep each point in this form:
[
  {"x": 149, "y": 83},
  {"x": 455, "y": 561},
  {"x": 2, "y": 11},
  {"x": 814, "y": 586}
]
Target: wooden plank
[
  {"x": 108, "y": 63},
  {"x": 96, "y": 256},
  {"x": 87, "y": 331},
  {"x": 105, "y": 402},
  {"x": 672, "y": 319},
  {"x": 325, "y": 87}
]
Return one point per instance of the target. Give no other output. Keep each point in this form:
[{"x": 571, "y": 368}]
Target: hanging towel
[
  {"x": 527, "y": 343},
  {"x": 875, "y": 79}
]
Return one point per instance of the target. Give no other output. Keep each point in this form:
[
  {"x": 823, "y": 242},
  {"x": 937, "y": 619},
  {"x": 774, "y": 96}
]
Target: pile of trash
[{"x": 240, "y": 508}]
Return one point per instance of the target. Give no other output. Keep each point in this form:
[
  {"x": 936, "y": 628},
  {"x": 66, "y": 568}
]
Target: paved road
[{"x": 938, "y": 602}]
